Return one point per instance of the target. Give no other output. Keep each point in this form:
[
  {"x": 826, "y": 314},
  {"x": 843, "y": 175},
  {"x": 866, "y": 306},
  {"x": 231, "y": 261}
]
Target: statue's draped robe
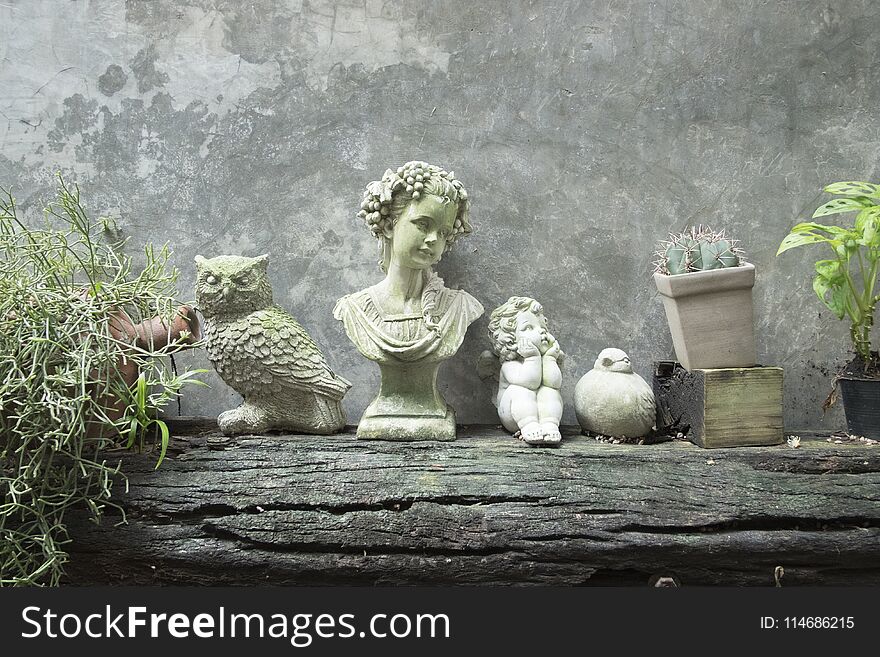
[{"x": 399, "y": 339}]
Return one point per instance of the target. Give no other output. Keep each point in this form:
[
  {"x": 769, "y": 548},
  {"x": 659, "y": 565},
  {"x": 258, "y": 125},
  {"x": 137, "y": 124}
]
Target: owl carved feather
[
  {"x": 263, "y": 353},
  {"x": 269, "y": 349}
]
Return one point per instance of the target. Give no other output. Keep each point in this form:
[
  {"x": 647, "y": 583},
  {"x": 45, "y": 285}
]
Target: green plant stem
[{"x": 60, "y": 377}]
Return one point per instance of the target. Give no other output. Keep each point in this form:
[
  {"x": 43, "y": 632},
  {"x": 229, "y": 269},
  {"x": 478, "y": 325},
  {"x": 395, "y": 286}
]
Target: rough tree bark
[{"x": 486, "y": 509}]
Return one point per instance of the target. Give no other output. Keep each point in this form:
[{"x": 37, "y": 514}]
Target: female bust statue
[{"x": 409, "y": 322}]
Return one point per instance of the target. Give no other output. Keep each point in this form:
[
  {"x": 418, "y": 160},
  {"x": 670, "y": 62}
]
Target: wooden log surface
[{"x": 486, "y": 509}]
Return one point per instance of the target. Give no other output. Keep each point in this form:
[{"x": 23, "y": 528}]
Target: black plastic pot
[{"x": 861, "y": 404}]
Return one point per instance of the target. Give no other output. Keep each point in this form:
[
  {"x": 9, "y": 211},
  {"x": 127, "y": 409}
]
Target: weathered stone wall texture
[{"x": 584, "y": 132}]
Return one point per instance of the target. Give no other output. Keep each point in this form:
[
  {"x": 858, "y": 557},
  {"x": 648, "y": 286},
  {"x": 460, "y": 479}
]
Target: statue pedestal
[{"x": 409, "y": 406}]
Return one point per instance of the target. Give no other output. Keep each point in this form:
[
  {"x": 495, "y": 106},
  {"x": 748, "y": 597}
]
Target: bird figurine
[
  {"x": 263, "y": 353},
  {"x": 612, "y": 400}
]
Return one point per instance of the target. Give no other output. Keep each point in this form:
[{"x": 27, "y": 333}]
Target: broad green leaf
[
  {"x": 829, "y": 269},
  {"x": 794, "y": 239},
  {"x": 838, "y": 205},
  {"x": 868, "y": 224},
  {"x": 854, "y": 187},
  {"x": 868, "y": 214},
  {"x": 821, "y": 287},
  {"x": 807, "y": 226},
  {"x": 810, "y": 226},
  {"x": 834, "y": 301},
  {"x": 837, "y": 301}
]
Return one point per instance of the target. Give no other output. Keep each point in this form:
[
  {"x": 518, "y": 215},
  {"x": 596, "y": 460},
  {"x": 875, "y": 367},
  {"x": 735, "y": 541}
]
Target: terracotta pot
[
  {"x": 152, "y": 334},
  {"x": 710, "y": 316}
]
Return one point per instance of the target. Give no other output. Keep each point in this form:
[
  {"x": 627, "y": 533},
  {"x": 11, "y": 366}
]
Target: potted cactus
[
  {"x": 847, "y": 285},
  {"x": 706, "y": 287}
]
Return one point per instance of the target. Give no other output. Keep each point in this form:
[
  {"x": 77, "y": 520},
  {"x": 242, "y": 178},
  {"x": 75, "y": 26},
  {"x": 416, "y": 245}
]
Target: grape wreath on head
[{"x": 384, "y": 200}]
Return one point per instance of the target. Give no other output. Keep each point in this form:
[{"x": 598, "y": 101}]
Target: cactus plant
[
  {"x": 699, "y": 249},
  {"x": 721, "y": 288}
]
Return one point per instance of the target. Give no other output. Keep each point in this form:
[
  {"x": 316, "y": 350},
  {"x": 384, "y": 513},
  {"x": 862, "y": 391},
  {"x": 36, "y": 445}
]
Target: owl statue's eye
[
  {"x": 243, "y": 281},
  {"x": 211, "y": 280}
]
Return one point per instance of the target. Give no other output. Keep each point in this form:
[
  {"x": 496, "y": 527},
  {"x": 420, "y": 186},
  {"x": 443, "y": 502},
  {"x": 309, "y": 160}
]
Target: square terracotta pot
[{"x": 710, "y": 316}]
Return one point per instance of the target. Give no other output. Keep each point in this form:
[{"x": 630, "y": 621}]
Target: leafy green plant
[
  {"x": 63, "y": 397},
  {"x": 143, "y": 405},
  {"x": 846, "y": 283},
  {"x": 699, "y": 249}
]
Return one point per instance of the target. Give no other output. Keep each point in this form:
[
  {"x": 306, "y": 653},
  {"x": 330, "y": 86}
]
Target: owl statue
[
  {"x": 612, "y": 400},
  {"x": 263, "y": 353}
]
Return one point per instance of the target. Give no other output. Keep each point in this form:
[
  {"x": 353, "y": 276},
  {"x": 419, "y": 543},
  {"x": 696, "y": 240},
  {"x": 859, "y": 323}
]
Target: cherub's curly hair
[
  {"x": 386, "y": 199},
  {"x": 502, "y": 325}
]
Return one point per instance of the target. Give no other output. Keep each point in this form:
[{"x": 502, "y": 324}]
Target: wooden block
[{"x": 730, "y": 407}]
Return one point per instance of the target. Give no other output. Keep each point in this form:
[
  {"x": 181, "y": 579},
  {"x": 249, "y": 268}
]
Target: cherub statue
[
  {"x": 530, "y": 377},
  {"x": 410, "y": 322}
]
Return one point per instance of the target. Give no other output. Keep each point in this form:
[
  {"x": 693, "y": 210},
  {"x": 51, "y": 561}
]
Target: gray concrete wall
[{"x": 584, "y": 131}]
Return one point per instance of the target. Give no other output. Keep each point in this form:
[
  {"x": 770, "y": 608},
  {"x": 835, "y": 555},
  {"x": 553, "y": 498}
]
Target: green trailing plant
[
  {"x": 846, "y": 282},
  {"x": 698, "y": 249},
  {"x": 64, "y": 400}
]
